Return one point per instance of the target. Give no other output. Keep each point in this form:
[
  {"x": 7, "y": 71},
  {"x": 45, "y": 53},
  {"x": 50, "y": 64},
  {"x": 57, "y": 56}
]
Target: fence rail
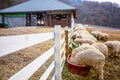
[
  {"x": 11, "y": 44},
  {"x": 105, "y": 27},
  {"x": 15, "y": 43},
  {"x": 31, "y": 68}
]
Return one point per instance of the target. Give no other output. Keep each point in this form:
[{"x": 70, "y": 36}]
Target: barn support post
[
  {"x": 57, "y": 52},
  {"x": 51, "y": 20},
  {"x": 3, "y": 18},
  {"x": 28, "y": 19},
  {"x": 72, "y": 23}
]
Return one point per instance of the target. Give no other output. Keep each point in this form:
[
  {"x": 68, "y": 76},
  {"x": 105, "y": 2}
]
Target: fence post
[
  {"x": 57, "y": 52},
  {"x": 66, "y": 41}
]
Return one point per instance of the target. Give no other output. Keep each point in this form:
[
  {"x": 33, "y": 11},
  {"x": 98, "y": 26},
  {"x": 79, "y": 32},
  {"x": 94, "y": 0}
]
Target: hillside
[
  {"x": 105, "y": 14},
  {"x": 95, "y": 13},
  {"x": 8, "y": 3}
]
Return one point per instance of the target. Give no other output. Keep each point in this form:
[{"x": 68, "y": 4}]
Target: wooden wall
[{"x": 63, "y": 22}]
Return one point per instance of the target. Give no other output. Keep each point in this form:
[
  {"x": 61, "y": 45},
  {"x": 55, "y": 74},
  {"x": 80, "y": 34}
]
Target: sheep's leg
[
  {"x": 112, "y": 54},
  {"x": 97, "y": 37},
  {"x": 97, "y": 70},
  {"x": 102, "y": 38},
  {"x": 119, "y": 54},
  {"x": 115, "y": 54},
  {"x": 101, "y": 73},
  {"x": 101, "y": 65},
  {"x": 105, "y": 39}
]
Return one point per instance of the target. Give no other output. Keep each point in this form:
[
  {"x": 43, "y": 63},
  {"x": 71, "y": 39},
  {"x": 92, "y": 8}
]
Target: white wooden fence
[{"x": 9, "y": 44}]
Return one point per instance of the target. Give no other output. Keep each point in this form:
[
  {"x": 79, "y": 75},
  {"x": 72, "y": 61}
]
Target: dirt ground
[{"x": 12, "y": 63}]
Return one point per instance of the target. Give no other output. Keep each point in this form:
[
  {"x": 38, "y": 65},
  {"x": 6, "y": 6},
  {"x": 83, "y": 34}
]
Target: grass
[{"x": 67, "y": 75}]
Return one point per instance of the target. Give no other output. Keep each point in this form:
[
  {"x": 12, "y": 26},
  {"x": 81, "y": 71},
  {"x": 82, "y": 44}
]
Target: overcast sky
[{"x": 113, "y": 1}]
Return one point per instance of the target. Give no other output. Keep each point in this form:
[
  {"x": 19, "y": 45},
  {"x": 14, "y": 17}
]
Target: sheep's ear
[
  {"x": 105, "y": 43},
  {"x": 111, "y": 44}
]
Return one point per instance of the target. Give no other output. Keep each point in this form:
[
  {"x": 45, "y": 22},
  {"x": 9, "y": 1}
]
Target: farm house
[{"x": 39, "y": 13}]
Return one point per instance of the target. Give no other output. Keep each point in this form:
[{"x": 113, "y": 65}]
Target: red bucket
[{"x": 77, "y": 69}]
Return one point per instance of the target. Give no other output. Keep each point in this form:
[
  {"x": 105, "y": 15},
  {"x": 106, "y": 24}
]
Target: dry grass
[
  {"x": 114, "y": 34},
  {"x": 12, "y": 63},
  {"x": 112, "y": 66},
  {"x": 25, "y": 30}
]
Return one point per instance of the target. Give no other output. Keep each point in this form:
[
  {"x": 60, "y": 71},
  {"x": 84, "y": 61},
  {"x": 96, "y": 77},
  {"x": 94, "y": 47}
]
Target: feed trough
[{"x": 77, "y": 69}]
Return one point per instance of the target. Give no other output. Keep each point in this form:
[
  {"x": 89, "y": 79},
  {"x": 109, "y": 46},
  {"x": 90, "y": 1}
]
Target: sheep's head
[
  {"x": 110, "y": 46},
  {"x": 77, "y": 40}
]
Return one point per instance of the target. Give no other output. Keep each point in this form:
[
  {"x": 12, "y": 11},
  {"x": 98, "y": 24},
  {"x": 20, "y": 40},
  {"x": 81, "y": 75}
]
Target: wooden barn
[{"x": 39, "y": 13}]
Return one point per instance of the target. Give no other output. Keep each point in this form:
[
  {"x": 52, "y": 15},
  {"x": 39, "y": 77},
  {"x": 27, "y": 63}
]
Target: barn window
[
  {"x": 58, "y": 16},
  {"x": 64, "y": 16}
]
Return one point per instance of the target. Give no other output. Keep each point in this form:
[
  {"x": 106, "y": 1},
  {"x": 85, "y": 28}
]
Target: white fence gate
[{"x": 15, "y": 43}]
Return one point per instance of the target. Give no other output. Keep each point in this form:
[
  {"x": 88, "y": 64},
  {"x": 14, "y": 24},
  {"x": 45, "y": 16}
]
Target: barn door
[{"x": 40, "y": 19}]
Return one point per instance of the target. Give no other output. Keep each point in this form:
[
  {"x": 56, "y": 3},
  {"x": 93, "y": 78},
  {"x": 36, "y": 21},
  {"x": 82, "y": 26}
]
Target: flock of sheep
[{"x": 90, "y": 51}]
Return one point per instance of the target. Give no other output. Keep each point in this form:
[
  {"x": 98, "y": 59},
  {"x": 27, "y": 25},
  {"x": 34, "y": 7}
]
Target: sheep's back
[
  {"x": 90, "y": 57},
  {"x": 101, "y": 47}
]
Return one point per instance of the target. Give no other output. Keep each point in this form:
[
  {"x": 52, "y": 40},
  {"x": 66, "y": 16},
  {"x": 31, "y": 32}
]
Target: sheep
[
  {"x": 100, "y": 35},
  {"x": 76, "y": 34},
  {"x": 103, "y": 36},
  {"x": 102, "y": 48},
  {"x": 80, "y": 48},
  {"x": 95, "y": 33},
  {"x": 79, "y": 27},
  {"x": 92, "y": 57},
  {"x": 84, "y": 40},
  {"x": 85, "y": 34},
  {"x": 89, "y": 36},
  {"x": 106, "y": 37},
  {"x": 81, "y": 33},
  {"x": 113, "y": 47}
]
